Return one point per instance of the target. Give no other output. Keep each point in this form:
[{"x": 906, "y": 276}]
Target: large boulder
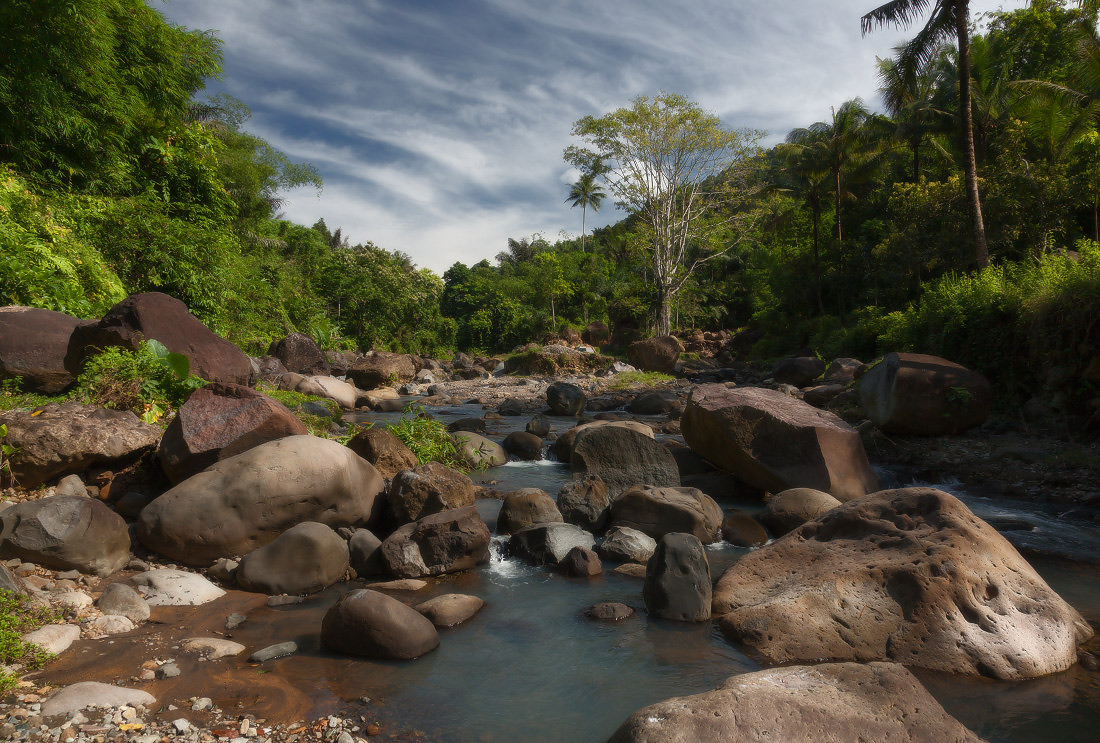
[
  {"x": 299, "y": 353},
  {"x": 373, "y": 625},
  {"x": 910, "y": 393},
  {"x": 306, "y": 558},
  {"x": 623, "y": 544},
  {"x": 66, "y": 532},
  {"x": 790, "y": 509},
  {"x": 548, "y": 544},
  {"x": 563, "y": 445},
  {"x": 381, "y": 369},
  {"x": 67, "y": 439},
  {"x": 444, "y": 542},
  {"x": 478, "y": 451},
  {"x": 343, "y": 394},
  {"x": 245, "y": 501},
  {"x": 776, "y": 442},
  {"x": 597, "y": 334},
  {"x": 380, "y": 447},
  {"x": 677, "y": 580},
  {"x": 157, "y": 316},
  {"x": 565, "y": 399},
  {"x": 827, "y": 703},
  {"x": 656, "y": 402},
  {"x": 33, "y": 343},
  {"x": 584, "y": 502},
  {"x": 364, "y": 555},
  {"x": 622, "y": 458},
  {"x": 655, "y": 354},
  {"x": 219, "y": 421},
  {"x": 842, "y": 370},
  {"x": 908, "y": 575},
  {"x": 430, "y": 488},
  {"x": 526, "y": 507},
  {"x": 657, "y": 511},
  {"x": 798, "y": 370},
  {"x": 523, "y": 445}
]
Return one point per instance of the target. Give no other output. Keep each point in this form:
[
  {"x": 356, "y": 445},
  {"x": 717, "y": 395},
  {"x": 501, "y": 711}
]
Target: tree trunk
[
  {"x": 584, "y": 210},
  {"x": 664, "y": 311},
  {"x": 836, "y": 185},
  {"x": 970, "y": 166}
]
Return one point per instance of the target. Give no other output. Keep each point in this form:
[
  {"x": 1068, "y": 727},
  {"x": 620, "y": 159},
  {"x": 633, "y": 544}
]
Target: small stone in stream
[
  {"x": 1088, "y": 661},
  {"x": 372, "y": 729},
  {"x": 69, "y": 575},
  {"x": 272, "y": 652},
  {"x": 167, "y": 671},
  {"x": 234, "y": 620},
  {"x": 202, "y": 703},
  {"x": 345, "y": 737},
  {"x": 181, "y": 725},
  {"x": 223, "y": 569},
  {"x": 284, "y": 600},
  {"x": 405, "y": 584},
  {"x": 211, "y": 648},
  {"x": 136, "y": 564},
  {"x": 631, "y": 570},
  {"x": 608, "y": 612}
]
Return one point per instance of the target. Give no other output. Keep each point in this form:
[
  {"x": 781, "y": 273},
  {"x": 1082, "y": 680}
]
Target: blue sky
[{"x": 439, "y": 125}]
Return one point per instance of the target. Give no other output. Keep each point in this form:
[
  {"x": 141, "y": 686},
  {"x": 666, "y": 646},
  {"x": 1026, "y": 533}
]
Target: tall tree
[
  {"x": 947, "y": 18},
  {"x": 909, "y": 97},
  {"x": 806, "y": 176},
  {"x": 585, "y": 193},
  {"x": 672, "y": 164}
]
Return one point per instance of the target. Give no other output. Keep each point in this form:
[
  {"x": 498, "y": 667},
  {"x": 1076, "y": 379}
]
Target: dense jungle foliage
[{"x": 116, "y": 176}]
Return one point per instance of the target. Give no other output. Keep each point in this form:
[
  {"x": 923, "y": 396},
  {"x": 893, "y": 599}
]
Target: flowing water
[{"x": 531, "y": 667}]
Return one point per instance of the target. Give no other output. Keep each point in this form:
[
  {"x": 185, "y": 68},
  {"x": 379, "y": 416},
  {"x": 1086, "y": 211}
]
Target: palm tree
[
  {"x": 947, "y": 17},
  {"x": 585, "y": 193},
  {"x": 910, "y": 99},
  {"x": 807, "y": 176}
]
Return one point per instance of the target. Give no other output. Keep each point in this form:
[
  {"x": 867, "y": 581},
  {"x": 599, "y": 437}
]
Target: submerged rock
[{"x": 677, "y": 582}]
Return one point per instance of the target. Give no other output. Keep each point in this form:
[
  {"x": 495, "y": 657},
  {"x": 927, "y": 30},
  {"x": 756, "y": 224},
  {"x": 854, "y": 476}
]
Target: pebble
[
  {"x": 284, "y": 600},
  {"x": 167, "y": 671},
  {"x": 181, "y": 725},
  {"x": 202, "y": 703},
  {"x": 234, "y": 620}
]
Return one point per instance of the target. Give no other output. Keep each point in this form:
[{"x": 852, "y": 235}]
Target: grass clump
[
  {"x": 151, "y": 381},
  {"x": 317, "y": 425},
  {"x": 18, "y": 615},
  {"x": 13, "y": 397},
  {"x": 428, "y": 439},
  {"x": 629, "y": 380}
]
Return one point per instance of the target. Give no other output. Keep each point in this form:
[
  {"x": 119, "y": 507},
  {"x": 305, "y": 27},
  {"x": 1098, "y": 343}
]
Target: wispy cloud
[{"x": 438, "y": 125}]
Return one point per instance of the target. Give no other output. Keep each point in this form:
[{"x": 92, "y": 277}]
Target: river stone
[
  {"x": 373, "y": 625},
  {"x": 306, "y": 558},
  {"x": 430, "y": 488},
  {"x": 33, "y": 343},
  {"x": 381, "y": 369},
  {"x": 523, "y": 445},
  {"x": 623, "y": 458},
  {"x": 548, "y": 544},
  {"x": 450, "y": 609},
  {"x": 10, "y": 582},
  {"x": 798, "y": 371},
  {"x": 786, "y": 511},
  {"x": 245, "y": 501},
  {"x": 440, "y": 543},
  {"x": 775, "y": 442},
  {"x": 623, "y": 544},
  {"x": 580, "y": 562},
  {"x": 539, "y": 426},
  {"x": 909, "y": 575},
  {"x": 75, "y": 600},
  {"x": 655, "y": 403},
  {"x": 94, "y": 694},
  {"x": 299, "y": 353},
  {"x": 565, "y": 399},
  {"x": 526, "y": 507},
  {"x": 343, "y": 394},
  {"x": 742, "y": 530},
  {"x": 121, "y": 599},
  {"x": 384, "y": 450},
  {"x": 842, "y": 370},
  {"x": 54, "y": 638},
  {"x": 219, "y": 421},
  {"x": 363, "y": 554},
  {"x": 65, "y": 439},
  {"x": 608, "y": 612},
  {"x": 655, "y": 354},
  {"x": 910, "y": 393},
  {"x": 585, "y": 503},
  {"x": 71, "y": 485},
  {"x": 211, "y": 648},
  {"x": 563, "y": 445},
  {"x": 66, "y": 532},
  {"x": 110, "y": 624},
  {"x": 827, "y": 703},
  {"x": 479, "y": 452},
  {"x": 677, "y": 580},
  {"x": 154, "y": 315},
  {"x": 658, "y": 511},
  {"x": 165, "y": 587}
]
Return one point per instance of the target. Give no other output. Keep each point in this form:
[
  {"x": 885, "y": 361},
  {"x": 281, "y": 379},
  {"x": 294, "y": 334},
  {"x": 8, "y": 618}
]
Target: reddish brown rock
[
  {"x": 33, "y": 343},
  {"x": 381, "y": 369},
  {"x": 526, "y": 507},
  {"x": 828, "y": 703},
  {"x": 220, "y": 421},
  {"x": 580, "y": 562},
  {"x": 798, "y": 370},
  {"x": 300, "y": 353},
  {"x": 622, "y": 458},
  {"x": 444, "y": 542},
  {"x": 384, "y": 450},
  {"x": 905, "y": 575},
  {"x": 450, "y": 609},
  {"x": 775, "y": 442},
  {"x": 655, "y": 354},
  {"x": 374, "y": 625},
  {"x": 658, "y": 511},
  {"x": 742, "y": 530},
  {"x": 910, "y": 393},
  {"x": 790, "y": 509},
  {"x": 430, "y": 488},
  {"x": 158, "y": 316}
]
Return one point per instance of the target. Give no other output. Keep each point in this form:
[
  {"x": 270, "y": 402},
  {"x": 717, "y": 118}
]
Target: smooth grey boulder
[
  {"x": 306, "y": 558},
  {"x": 66, "y": 532},
  {"x": 565, "y": 399},
  {"x": 244, "y": 502},
  {"x": 622, "y": 458},
  {"x": 478, "y": 451},
  {"x": 94, "y": 694},
  {"x": 430, "y": 488},
  {"x": 548, "y": 544},
  {"x": 623, "y": 544},
  {"x": 445, "y": 542},
  {"x": 121, "y": 599},
  {"x": 658, "y": 511},
  {"x": 677, "y": 580},
  {"x": 584, "y": 502},
  {"x": 526, "y": 507},
  {"x": 831, "y": 702},
  {"x": 164, "y": 587},
  {"x": 53, "y": 638},
  {"x": 373, "y": 625},
  {"x": 363, "y": 554}
]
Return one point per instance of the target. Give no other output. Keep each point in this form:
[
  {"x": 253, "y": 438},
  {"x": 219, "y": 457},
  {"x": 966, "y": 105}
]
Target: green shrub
[
  {"x": 630, "y": 380},
  {"x": 150, "y": 381},
  {"x": 18, "y": 615},
  {"x": 428, "y": 439}
]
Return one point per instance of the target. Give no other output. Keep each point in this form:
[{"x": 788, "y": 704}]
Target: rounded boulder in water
[
  {"x": 306, "y": 558},
  {"x": 373, "y": 625}
]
